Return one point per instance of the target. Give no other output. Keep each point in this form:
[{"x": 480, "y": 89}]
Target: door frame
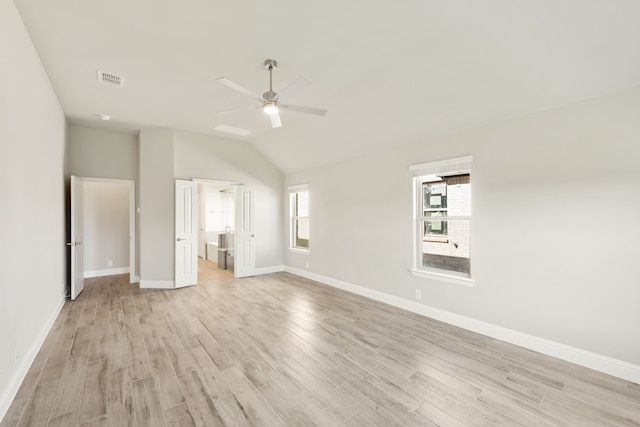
[
  {"x": 235, "y": 185},
  {"x": 133, "y": 265},
  {"x": 202, "y": 224}
]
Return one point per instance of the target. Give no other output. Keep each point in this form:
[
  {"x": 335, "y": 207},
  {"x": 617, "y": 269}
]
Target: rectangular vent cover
[{"x": 110, "y": 79}]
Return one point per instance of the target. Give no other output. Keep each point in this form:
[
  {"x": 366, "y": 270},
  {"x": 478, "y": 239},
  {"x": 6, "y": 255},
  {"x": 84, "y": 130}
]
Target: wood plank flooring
[{"x": 279, "y": 350}]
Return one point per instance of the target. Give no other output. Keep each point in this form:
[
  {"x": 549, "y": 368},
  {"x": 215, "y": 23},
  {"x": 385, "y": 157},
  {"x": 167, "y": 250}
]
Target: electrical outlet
[
  {"x": 110, "y": 263},
  {"x": 418, "y": 293}
]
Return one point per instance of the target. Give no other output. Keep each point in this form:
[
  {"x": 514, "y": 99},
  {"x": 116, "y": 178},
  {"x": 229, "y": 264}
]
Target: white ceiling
[{"x": 390, "y": 73}]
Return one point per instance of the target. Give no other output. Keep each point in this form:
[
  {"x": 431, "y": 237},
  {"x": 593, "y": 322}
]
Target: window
[
  {"x": 299, "y": 214},
  {"x": 443, "y": 219},
  {"x": 434, "y": 203}
]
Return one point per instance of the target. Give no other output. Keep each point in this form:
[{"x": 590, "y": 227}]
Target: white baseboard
[
  {"x": 20, "y": 373},
  {"x": 268, "y": 270},
  {"x": 169, "y": 284},
  {"x": 106, "y": 272},
  {"x": 157, "y": 284},
  {"x": 598, "y": 362},
  {"x": 136, "y": 279}
]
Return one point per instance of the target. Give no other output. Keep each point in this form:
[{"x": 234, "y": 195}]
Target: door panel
[
  {"x": 245, "y": 256},
  {"x": 77, "y": 235},
  {"x": 186, "y": 234}
]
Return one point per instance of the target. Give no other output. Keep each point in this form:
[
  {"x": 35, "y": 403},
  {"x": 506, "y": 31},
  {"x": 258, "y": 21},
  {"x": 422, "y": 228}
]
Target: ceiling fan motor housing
[{"x": 269, "y": 95}]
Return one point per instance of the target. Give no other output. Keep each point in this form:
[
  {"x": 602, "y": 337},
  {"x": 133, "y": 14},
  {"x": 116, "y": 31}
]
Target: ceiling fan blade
[
  {"x": 235, "y": 110},
  {"x": 295, "y": 86},
  {"x": 239, "y": 88},
  {"x": 308, "y": 110},
  {"x": 275, "y": 120}
]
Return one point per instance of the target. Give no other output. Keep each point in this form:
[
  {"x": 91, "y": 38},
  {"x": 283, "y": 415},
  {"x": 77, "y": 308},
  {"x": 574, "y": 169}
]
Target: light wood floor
[{"x": 281, "y": 350}]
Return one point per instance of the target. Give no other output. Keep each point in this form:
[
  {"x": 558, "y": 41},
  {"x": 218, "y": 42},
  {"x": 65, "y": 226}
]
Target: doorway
[
  {"x": 231, "y": 232},
  {"x": 216, "y": 228},
  {"x": 103, "y": 235}
]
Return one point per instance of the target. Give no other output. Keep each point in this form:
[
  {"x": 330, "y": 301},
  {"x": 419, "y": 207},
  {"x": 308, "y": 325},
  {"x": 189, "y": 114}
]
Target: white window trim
[
  {"x": 297, "y": 249},
  {"x": 297, "y": 187},
  {"x": 418, "y": 270},
  {"x": 439, "y": 164},
  {"x": 450, "y": 277}
]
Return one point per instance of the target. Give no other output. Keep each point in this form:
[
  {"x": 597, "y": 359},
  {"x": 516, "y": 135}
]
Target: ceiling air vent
[{"x": 110, "y": 79}]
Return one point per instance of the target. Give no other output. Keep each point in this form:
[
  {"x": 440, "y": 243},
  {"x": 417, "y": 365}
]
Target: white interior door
[
  {"x": 186, "y": 233},
  {"x": 245, "y": 252},
  {"x": 77, "y": 235}
]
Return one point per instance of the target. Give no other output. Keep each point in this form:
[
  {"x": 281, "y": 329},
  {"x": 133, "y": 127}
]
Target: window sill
[
  {"x": 444, "y": 277},
  {"x": 299, "y": 251},
  {"x": 435, "y": 239}
]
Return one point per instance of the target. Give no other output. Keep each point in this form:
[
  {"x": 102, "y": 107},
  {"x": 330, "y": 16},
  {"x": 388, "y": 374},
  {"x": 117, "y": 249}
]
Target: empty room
[{"x": 415, "y": 213}]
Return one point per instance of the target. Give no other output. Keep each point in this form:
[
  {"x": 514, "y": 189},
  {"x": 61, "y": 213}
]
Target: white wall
[
  {"x": 106, "y": 228},
  {"x": 555, "y": 229},
  {"x": 32, "y": 215},
  {"x": 209, "y": 157}
]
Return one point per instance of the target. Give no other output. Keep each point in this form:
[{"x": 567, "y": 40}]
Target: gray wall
[
  {"x": 32, "y": 217},
  {"x": 103, "y": 154},
  {"x": 157, "y": 208},
  {"x": 555, "y": 226},
  {"x": 106, "y": 226},
  {"x": 99, "y": 153},
  {"x": 155, "y": 159}
]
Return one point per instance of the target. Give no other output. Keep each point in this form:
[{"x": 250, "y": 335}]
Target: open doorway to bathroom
[{"x": 216, "y": 228}]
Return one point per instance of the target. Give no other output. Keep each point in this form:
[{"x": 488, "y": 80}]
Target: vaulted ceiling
[{"x": 390, "y": 73}]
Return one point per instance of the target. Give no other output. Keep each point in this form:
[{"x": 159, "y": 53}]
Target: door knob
[{"x": 179, "y": 239}]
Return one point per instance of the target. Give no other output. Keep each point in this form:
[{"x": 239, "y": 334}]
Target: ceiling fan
[{"x": 270, "y": 100}]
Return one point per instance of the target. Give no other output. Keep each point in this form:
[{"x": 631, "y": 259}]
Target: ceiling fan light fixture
[{"x": 270, "y": 107}]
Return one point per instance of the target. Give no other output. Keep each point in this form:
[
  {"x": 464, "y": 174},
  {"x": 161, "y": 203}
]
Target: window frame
[
  {"x": 458, "y": 165},
  {"x": 293, "y": 218}
]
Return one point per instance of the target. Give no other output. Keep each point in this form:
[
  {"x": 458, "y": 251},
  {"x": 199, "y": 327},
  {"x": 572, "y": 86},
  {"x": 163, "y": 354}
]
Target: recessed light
[
  {"x": 233, "y": 130},
  {"x": 103, "y": 117}
]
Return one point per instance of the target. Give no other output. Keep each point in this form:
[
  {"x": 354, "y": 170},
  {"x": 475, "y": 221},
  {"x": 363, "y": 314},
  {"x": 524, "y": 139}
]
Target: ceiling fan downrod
[{"x": 270, "y": 64}]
